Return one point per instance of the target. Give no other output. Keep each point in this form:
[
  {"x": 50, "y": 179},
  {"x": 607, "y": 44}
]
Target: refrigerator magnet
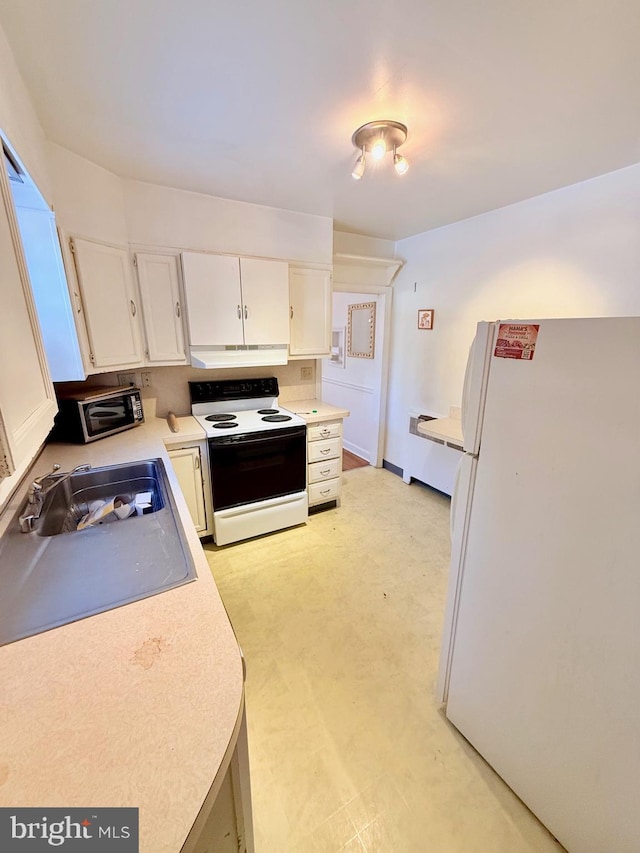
[{"x": 516, "y": 340}]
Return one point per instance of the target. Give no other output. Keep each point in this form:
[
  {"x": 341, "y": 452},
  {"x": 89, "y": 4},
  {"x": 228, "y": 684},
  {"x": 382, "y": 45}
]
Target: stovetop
[
  {"x": 228, "y": 407},
  {"x": 249, "y": 420}
]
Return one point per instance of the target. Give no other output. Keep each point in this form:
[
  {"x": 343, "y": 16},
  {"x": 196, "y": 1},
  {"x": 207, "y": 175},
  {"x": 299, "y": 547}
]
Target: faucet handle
[{"x": 37, "y": 483}]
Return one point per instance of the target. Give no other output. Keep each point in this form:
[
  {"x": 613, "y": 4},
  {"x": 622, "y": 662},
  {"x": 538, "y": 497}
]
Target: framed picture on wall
[{"x": 425, "y": 318}]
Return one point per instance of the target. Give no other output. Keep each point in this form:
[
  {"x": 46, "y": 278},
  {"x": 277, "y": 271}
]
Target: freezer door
[
  {"x": 475, "y": 385},
  {"x": 460, "y": 510},
  {"x": 544, "y": 671}
]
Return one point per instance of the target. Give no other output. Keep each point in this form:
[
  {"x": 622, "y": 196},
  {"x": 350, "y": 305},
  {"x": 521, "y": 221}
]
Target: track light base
[{"x": 392, "y": 132}]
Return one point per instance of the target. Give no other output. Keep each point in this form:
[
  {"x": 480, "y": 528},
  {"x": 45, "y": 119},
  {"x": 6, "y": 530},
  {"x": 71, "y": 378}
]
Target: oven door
[{"x": 253, "y": 467}]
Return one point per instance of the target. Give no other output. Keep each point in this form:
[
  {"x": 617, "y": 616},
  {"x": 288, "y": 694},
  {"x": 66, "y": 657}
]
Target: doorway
[{"x": 359, "y": 383}]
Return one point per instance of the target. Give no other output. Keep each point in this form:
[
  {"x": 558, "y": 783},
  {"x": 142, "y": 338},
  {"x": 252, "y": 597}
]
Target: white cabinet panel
[
  {"x": 236, "y": 301},
  {"x": 27, "y": 400},
  {"x": 110, "y": 302},
  {"x": 161, "y": 307},
  {"x": 310, "y": 312},
  {"x": 265, "y": 294},
  {"x": 59, "y": 317},
  {"x": 214, "y": 301},
  {"x": 187, "y": 464}
]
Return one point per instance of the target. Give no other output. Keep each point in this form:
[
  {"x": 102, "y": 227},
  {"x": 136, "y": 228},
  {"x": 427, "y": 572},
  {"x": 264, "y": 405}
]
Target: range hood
[{"x": 239, "y": 356}]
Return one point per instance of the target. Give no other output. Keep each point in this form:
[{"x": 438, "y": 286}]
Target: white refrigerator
[{"x": 540, "y": 662}]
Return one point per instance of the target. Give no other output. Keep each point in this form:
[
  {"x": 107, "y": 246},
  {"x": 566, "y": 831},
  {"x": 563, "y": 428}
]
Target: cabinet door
[
  {"x": 56, "y": 312},
  {"x": 161, "y": 307},
  {"x": 265, "y": 306},
  {"x": 110, "y": 302},
  {"x": 214, "y": 302},
  {"x": 187, "y": 464},
  {"x": 27, "y": 400},
  {"x": 310, "y": 298}
]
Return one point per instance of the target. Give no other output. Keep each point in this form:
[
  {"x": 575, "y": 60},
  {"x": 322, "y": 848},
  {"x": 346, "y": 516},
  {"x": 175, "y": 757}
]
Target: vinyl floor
[{"x": 340, "y": 622}]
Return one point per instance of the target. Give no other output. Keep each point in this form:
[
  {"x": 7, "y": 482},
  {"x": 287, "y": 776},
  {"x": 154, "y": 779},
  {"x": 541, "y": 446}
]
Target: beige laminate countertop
[
  {"x": 314, "y": 411},
  {"x": 443, "y": 429},
  {"x": 133, "y": 707}
]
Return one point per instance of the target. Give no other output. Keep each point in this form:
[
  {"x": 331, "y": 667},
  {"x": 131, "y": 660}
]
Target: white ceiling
[{"x": 257, "y": 101}]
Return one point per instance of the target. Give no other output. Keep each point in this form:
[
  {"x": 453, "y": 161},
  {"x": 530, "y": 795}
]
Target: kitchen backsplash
[{"x": 170, "y": 390}]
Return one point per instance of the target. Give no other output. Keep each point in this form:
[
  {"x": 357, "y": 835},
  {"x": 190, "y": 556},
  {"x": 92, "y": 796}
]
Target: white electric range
[{"x": 257, "y": 457}]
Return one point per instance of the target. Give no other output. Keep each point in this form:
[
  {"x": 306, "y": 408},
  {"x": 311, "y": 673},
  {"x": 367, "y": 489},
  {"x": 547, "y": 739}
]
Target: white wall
[
  {"x": 570, "y": 253},
  {"x": 357, "y": 244},
  {"x": 97, "y": 204},
  {"x": 89, "y": 200},
  {"x": 19, "y": 121},
  {"x": 161, "y": 216}
]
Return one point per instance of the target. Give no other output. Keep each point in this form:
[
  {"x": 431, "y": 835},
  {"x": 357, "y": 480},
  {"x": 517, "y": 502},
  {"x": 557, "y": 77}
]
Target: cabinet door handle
[
  {"x": 246, "y": 312},
  {"x": 291, "y": 312},
  {"x": 133, "y": 307},
  {"x": 239, "y": 313},
  {"x": 326, "y": 450},
  {"x": 78, "y": 303},
  {"x": 177, "y": 309},
  {"x": 197, "y": 462}
]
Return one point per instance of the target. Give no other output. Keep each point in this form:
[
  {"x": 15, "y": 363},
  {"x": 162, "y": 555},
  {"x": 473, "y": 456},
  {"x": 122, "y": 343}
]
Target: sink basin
[
  {"x": 68, "y": 502},
  {"x": 57, "y": 574}
]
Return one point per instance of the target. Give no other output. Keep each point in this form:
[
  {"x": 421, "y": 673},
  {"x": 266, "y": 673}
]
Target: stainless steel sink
[
  {"x": 57, "y": 574},
  {"x": 68, "y": 502}
]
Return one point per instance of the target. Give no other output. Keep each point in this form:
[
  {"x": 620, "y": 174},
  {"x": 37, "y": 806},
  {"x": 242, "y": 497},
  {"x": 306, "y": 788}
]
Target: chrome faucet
[{"x": 38, "y": 492}]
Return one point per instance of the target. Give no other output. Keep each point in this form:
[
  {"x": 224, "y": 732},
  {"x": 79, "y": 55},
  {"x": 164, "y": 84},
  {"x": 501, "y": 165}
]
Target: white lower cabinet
[
  {"x": 324, "y": 458},
  {"x": 190, "y": 462}
]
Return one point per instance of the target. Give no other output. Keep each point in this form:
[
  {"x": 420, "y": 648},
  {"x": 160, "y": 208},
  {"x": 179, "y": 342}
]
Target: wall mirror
[{"x": 361, "y": 330}]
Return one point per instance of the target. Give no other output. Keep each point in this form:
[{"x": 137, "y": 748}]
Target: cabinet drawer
[
  {"x": 319, "y": 450},
  {"x": 321, "y": 492},
  {"x": 319, "y": 431},
  {"x": 324, "y": 470}
]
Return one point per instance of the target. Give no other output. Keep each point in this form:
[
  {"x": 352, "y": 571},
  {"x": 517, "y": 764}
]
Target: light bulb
[
  {"x": 378, "y": 149},
  {"x": 400, "y": 164},
  {"x": 358, "y": 169}
]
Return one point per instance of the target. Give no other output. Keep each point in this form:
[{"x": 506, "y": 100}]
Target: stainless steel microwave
[{"x": 97, "y": 412}]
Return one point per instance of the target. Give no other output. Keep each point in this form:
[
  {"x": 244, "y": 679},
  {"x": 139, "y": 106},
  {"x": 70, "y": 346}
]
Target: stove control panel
[{"x": 233, "y": 389}]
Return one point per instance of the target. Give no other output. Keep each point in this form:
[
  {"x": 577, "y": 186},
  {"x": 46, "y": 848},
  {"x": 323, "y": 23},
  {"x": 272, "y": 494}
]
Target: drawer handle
[
  {"x": 326, "y": 450},
  {"x": 325, "y": 472},
  {"x": 325, "y": 491},
  {"x": 325, "y": 432}
]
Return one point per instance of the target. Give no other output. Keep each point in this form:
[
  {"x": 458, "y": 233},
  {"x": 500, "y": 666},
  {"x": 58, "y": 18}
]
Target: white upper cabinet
[
  {"x": 235, "y": 301},
  {"x": 265, "y": 301},
  {"x": 27, "y": 400},
  {"x": 110, "y": 301},
  {"x": 159, "y": 284},
  {"x": 214, "y": 301},
  {"x": 310, "y": 312},
  {"x": 59, "y": 312}
]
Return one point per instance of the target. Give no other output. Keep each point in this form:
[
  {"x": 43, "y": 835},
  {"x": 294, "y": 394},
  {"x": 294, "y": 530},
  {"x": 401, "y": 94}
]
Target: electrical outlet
[
  {"x": 146, "y": 379},
  {"x": 306, "y": 373},
  {"x": 126, "y": 379}
]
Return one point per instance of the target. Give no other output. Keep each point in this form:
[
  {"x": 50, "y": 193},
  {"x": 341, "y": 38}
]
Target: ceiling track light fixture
[{"x": 376, "y": 138}]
